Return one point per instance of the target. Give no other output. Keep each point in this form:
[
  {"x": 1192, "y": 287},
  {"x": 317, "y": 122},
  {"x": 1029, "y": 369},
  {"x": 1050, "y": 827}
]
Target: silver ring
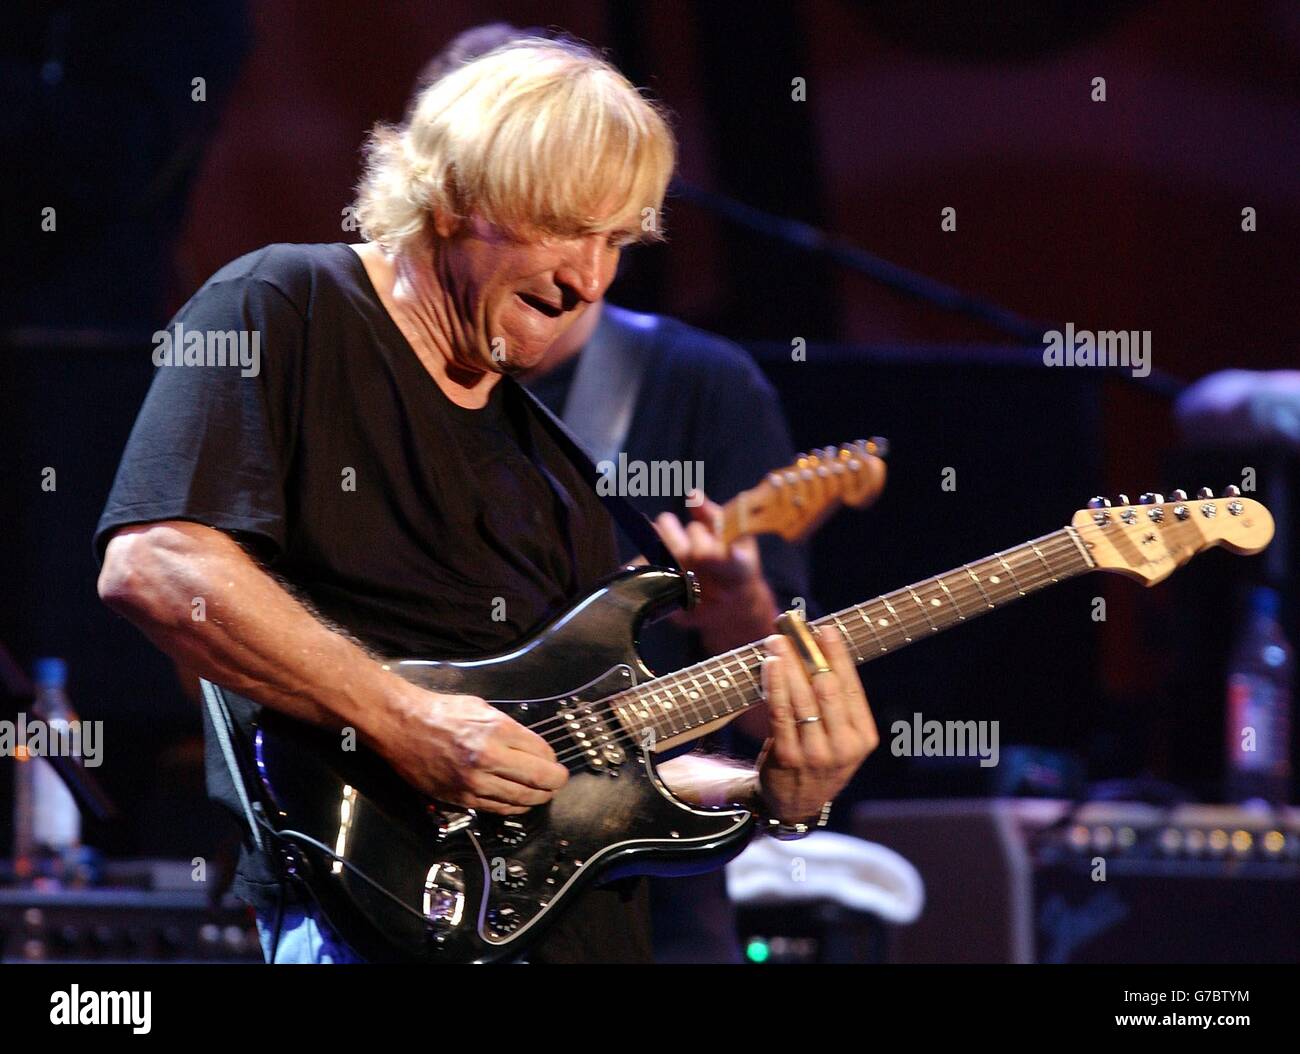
[{"x": 808, "y": 720}]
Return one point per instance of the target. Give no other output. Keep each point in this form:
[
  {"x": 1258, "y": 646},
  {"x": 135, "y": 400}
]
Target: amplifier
[
  {"x": 1195, "y": 884},
  {"x": 1024, "y": 880},
  {"x": 123, "y": 925}
]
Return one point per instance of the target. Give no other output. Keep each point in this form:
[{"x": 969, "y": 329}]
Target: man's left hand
[
  {"x": 736, "y": 604},
  {"x": 822, "y": 729}
]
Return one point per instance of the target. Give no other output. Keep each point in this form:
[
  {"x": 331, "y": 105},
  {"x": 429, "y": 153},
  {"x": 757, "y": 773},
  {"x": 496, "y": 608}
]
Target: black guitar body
[{"x": 405, "y": 879}]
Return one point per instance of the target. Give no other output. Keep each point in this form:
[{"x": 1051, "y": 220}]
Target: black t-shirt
[{"x": 422, "y": 528}]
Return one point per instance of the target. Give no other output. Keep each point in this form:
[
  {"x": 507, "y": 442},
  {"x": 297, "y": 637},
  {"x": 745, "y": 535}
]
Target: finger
[
  {"x": 856, "y": 707},
  {"x": 802, "y": 700},
  {"x": 673, "y": 535},
  {"x": 785, "y": 737},
  {"x": 524, "y": 769},
  {"x": 705, "y": 511},
  {"x": 516, "y": 736},
  {"x": 704, "y": 543},
  {"x": 495, "y": 788},
  {"x": 831, "y": 696},
  {"x": 814, "y": 737}
]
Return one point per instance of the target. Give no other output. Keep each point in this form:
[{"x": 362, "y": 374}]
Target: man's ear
[{"x": 445, "y": 225}]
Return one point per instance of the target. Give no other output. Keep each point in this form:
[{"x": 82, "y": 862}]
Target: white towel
[{"x": 826, "y": 866}]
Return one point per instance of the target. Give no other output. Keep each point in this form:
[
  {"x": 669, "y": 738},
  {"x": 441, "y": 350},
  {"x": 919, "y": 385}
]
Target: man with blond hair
[{"x": 380, "y": 486}]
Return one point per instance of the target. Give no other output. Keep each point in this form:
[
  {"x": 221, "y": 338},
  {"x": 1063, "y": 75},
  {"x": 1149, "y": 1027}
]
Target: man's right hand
[
  {"x": 261, "y": 642},
  {"x": 460, "y": 750}
]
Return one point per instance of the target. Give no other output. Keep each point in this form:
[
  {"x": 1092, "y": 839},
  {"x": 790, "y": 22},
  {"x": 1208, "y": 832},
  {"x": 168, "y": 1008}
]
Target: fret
[
  {"x": 921, "y": 604},
  {"x": 642, "y": 716},
  {"x": 1007, "y": 567},
  {"x": 974, "y": 579},
  {"x": 752, "y": 671},
  {"x": 1028, "y": 569},
  {"x": 897, "y": 620},
  {"x": 862, "y": 614},
  {"x": 693, "y": 696},
  {"x": 744, "y": 692},
  {"x": 853, "y": 645},
  {"x": 731, "y": 691},
  {"x": 666, "y": 708},
  {"x": 1038, "y": 552},
  {"x": 1083, "y": 550},
  {"x": 684, "y": 708},
  {"x": 726, "y": 682},
  {"x": 713, "y": 713},
  {"x": 951, "y": 599}
]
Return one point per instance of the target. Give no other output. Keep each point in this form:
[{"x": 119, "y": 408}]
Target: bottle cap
[{"x": 51, "y": 673}]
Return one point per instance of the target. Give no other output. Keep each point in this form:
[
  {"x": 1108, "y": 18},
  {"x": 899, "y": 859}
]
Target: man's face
[{"x": 510, "y": 299}]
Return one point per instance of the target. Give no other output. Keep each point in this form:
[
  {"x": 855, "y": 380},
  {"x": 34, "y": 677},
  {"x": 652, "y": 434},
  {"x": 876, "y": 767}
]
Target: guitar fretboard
[{"x": 690, "y": 700}]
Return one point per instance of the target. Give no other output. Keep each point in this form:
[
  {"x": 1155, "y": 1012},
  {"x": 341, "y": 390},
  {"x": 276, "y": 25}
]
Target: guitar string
[
  {"x": 1031, "y": 574},
  {"x": 967, "y": 591},
  {"x": 683, "y": 680},
  {"x": 697, "y": 685}
]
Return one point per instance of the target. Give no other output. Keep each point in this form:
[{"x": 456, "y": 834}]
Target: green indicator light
[{"x": 757, "y": 951}]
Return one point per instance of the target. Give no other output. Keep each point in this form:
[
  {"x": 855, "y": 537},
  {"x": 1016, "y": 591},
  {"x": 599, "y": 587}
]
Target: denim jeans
[{"x": 304, "y": 938}]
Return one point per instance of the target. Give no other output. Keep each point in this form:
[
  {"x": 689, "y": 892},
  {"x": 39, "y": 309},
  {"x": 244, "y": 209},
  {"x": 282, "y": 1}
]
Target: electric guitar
[
  {"x": 794, "y": 500},
  {"x": 403, "y": 878}
]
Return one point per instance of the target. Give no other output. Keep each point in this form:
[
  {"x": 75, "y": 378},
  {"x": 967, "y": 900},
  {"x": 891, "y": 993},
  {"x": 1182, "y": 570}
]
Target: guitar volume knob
[
  {"x": 504, "y": 920},
  {"x": 511, "y": 832}
]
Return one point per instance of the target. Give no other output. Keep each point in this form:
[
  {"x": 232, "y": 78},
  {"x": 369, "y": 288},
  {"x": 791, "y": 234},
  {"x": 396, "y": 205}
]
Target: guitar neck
[
  {"x": 793, "y": 500},
  {"x": 683, "y": 706},
  {"x": 741, "y": 517}
]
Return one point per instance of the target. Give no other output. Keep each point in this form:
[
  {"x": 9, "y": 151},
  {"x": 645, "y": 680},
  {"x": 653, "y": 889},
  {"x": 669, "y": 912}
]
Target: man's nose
[{"x": 584, "y": 269}]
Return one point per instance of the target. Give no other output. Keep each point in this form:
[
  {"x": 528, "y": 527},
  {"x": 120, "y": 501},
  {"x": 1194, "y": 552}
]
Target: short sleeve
[{"x": 214, "y": 438}]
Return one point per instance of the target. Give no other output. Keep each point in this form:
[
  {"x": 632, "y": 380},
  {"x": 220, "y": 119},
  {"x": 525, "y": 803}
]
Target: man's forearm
[
  {"x": 249, "y": 634},
  {"x": 701, "y": 779}
]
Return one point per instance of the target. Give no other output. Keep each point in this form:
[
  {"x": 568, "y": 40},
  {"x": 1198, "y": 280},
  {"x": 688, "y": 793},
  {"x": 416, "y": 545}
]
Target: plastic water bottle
[
  {"x": 1259, "y": 705},
  {"x": 47, "y": 822}
]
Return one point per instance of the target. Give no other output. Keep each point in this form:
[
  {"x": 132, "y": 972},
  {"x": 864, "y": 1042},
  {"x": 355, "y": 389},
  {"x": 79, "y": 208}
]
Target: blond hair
[{"x": 537, "y": 136}]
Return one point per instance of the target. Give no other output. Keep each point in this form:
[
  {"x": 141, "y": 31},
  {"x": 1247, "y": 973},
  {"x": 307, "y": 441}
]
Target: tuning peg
[
  {"x": 881, "y": 444},
  {"x": 1205, "y": 492},
  {"x": 1232, "y": 491},
  {"x": 1151, "y": 499},
  {"x": 1178, "y": 495},
  {"x": 1099, "y": 503},
  {"x": 1123, "y": 499}
]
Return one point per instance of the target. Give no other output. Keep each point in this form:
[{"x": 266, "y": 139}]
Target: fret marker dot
[
  {"x": 935, "y": 603},
  {"x": 994, "y": 579},
  {"x": 723, "y": 683},
  {"x": 884, "y": 622},
  {"x": 692, "y": 695}
]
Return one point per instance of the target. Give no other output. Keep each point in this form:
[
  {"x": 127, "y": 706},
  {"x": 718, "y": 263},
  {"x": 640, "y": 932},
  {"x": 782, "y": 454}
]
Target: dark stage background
[{"x": 1121, "y": 214}]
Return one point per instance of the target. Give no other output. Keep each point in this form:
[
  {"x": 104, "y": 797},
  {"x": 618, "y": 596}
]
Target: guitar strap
[
  {"x": 602, "y": 399},
  {"x": 627, "y": 341}
]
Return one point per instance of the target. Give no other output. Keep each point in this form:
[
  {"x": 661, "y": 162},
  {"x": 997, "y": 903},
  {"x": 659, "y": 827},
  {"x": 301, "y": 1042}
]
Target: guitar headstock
[
  {"x": 793, "y": 500},
  {"x": 1150, "y": 539}
]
